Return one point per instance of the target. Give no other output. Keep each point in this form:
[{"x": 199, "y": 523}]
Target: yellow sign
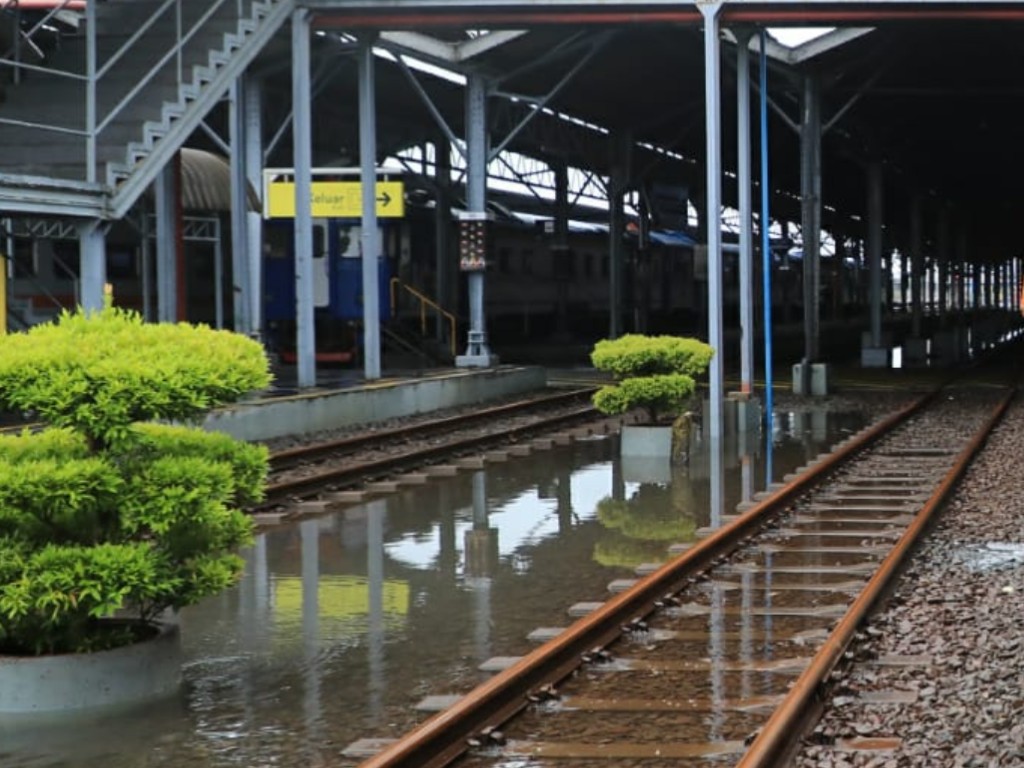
[{"x": 336, "y": 199}]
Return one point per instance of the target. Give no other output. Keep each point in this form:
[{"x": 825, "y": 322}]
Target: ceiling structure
[{"x": 931, "y": 89}]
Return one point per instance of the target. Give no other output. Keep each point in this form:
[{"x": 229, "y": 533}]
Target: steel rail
[
  {"x": 298, "y": 487},
  {"x": 293, "y": 456},
  {"x": 781, "y": 734},
  {"x": 442, "y": 738}
]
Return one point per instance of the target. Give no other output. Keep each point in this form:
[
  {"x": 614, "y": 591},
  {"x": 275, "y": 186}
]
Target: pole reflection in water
[
  {"x": 448, "y": 552},
  {"x": 564, "y": 500},
  {"x": 716, "y": 652},
  {"x": 717, "y": 480},
  {"x": 376, "y": 513},
  {"x": 481, "y": 562},
  {"x": 309, "y": 532}
]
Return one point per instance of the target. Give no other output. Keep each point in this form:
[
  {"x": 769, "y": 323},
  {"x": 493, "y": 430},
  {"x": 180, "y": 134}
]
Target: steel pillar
[
  {"x": 369, "y": 234},
  {"x": 746, "y": 244},
  {"x": 961, "y": 268},
  {"x": 874, "y": 249},
  {"x": 444, "y": 261},
  {"x": 713, "y": 158},
  {"x": 477, "y": 352},
  {"x": 239, "y": 209},
  {"x": 975, "y": 285},
  {"x": 166, "y": 246},
  {"x": 942, "y": 254},
  {"x": 917, "y": 265},
  {"x": 302, "y": 161},
  {"x": 92, "y": 243},
  {"x": 560, "y": 252},
  {"x": 617, "y": 183},
  {"x": 252, "y": 107},
  {"x": 810, "y": 219}
]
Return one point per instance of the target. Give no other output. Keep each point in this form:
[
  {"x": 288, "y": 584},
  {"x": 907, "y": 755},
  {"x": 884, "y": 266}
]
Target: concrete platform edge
[{"x": 323, "y": 410}]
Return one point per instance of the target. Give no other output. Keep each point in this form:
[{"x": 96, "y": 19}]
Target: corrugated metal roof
[{"x": 206, "y": 182}]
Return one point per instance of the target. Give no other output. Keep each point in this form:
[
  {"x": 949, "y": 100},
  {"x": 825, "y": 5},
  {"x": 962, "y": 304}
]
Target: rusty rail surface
[
  {"x": 294, "y": 456},
  {"x": 441, "y": 739},
  {"x": 799, "y": 711},
  {"x": 353, "y": 473}
]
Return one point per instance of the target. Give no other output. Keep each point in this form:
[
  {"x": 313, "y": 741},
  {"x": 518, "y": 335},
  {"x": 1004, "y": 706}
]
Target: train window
[
  {"x": 66, "y": 259},
  {"x": 527, "y": 256},
  {"x": 24, "y": 258},
  {"x": 504, "y": 259},
  {"x": 604, "y": 266},
  {"x": 588, "y": 265},
  {"x": 319, "y": 250},
  {"x": 277, "y": 242}
]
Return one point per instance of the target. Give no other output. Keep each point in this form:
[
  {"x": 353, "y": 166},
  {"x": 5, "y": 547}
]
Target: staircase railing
[
  {"x": 170, "y": 13},
  {"x": 425, "y": 303}
]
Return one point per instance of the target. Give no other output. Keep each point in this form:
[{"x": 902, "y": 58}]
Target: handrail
[
  {"x": 181, "y": 40},
  {"x": 425, "y": 301},
  {"x": 168, "y": 14}
]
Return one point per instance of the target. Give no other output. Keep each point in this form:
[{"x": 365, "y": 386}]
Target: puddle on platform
[
  {"x": 342, "y": 623},
  {"x": 993, "y": 556}
]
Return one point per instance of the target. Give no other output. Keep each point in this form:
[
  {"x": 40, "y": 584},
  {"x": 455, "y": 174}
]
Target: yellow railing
[{"x": 424, "y": 302}]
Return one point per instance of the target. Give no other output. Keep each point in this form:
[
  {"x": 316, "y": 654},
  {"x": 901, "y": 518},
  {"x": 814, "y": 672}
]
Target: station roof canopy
[{"x": 931, "y": 89}]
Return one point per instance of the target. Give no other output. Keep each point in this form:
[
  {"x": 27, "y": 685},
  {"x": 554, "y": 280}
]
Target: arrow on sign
[{"x": 384, "y": 199}]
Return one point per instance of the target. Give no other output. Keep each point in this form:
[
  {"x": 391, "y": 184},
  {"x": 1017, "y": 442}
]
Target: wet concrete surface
[{"x": 343, "y": 623}]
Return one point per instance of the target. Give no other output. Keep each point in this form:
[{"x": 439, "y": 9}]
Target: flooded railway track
[
  {"x": 304, "y": 471},
  {"x": 722, "y": 655}
]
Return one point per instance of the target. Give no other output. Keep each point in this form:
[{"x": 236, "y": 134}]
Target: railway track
[
  {"x": 304, "y": 471},
  {"x": 721, "y": 656}
]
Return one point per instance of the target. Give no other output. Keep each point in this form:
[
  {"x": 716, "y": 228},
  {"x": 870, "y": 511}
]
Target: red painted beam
[{"x": 833, "y": 16}]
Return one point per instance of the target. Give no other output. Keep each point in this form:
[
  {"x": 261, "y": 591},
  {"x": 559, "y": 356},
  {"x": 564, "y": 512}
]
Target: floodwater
[{"x": 344, "y": 622}]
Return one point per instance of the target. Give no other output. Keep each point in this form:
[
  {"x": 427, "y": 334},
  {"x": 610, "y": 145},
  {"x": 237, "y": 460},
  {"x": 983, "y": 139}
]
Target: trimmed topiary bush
[
  {"x": 101, "y": 512},
  {"x": 655, "y": 373}
]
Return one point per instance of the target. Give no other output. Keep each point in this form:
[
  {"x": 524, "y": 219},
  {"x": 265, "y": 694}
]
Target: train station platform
[{"x": 347, "y": 400}]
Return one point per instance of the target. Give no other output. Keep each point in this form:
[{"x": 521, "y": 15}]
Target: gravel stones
[{"x": 960, "y": 602}]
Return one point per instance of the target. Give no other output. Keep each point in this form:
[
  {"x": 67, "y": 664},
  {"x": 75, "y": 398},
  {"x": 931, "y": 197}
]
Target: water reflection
[{"x": 342, "y": 623}]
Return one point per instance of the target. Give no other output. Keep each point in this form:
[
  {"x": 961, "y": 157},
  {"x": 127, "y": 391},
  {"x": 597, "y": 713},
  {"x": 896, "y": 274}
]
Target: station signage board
[{"x": 336, "y": 199}]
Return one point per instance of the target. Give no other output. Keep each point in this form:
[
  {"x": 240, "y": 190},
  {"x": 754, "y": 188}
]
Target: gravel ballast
[{"x": 956, "y": 620}]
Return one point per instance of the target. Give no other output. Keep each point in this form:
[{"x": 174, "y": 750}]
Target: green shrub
[
  {"x": 101, "y": 512},
  {"x": 635, "y": 355},
  {"x": 654, "y": 372}
]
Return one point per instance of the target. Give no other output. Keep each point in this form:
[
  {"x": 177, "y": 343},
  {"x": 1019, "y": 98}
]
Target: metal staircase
[{"x": 88, "y": 129}]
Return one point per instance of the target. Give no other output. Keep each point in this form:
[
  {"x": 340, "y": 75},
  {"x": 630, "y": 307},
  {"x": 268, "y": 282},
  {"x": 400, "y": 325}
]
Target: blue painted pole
[{"x": 766, "y": 255}]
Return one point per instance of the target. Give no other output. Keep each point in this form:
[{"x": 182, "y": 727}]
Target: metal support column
[
  {"x": 810, "y": 218},
  {"x": 713, "y": 122},
  {"x": 445, "y": 277},
  {"x": 975, "y": 286},
  {"x": 252, "y": 108},
  {"x": 942, "y": 254},
  {"x": 560, "y": 252},
  {"x": 302, "y": 162},
  {"x": 746, "y": 244},
  {"x": 874, "y": 249},
  {"x": 92, "y": 245},
  {"x": 617, "y": 183},
  {"x": 961, "y": 269},
  {"x": 477, "y": 352},
  {"x": 166, "y": 246},
  {"x": 917, "y": 265},
  {"x": 369, "y": 234},
  {"x": 239, "y": 207}
]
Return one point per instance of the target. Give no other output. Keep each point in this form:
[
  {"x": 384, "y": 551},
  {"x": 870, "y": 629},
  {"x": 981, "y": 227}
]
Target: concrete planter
[
  {"x": 646, "y": 454},
  {"x": 647, "y": 441},
  {"x": 73, "y": 682}
]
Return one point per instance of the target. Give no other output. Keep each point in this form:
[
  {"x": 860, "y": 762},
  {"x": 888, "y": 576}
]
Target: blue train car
[{"x": 337, "y": 289}]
